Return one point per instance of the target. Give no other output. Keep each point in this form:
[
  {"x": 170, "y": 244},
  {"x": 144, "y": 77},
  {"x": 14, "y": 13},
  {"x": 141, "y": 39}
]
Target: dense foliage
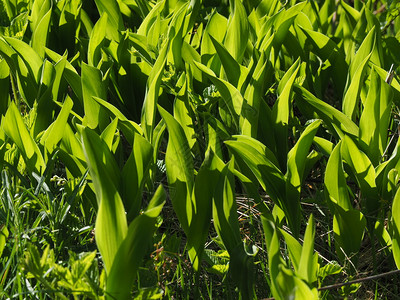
[{"x": 199, "y": 149}]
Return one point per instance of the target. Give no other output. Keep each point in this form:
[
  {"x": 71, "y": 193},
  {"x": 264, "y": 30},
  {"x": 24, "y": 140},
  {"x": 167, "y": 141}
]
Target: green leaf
[
  {"x": 331, "y": 116},
  {"x": 281, "y": 111},
  {"x": 25, "y": 65},
  {"x": 227, "y": 226},
  {"x": 296, "y": 163},
  {"x": 180, "y": 170},
  {"x": 55, "y": 131},
  {"x": 111, "y": 225},
  {"x": 232, "y": 98},
  {"x": 175, "y": 34},
  {"x": 308, "y": 265},
  {"x": 253, "y": 96},
  {"x": 274, "y": 262},
  {"x": 115, "y": 22},
  {"x": 260, "y": 160},
  {"x": 237, "y": 33},
  {"x": 92, "y": 86},
  {"x": 396, "y": 229},
  {"x": 152, "y": 92},
  {"x": 292, "y": 287},
  {"x": 234, "y": 72},
  {"x": 216, "y": 27},
  {"x": 327, "y": 49},
  {"x": 134, "y": 175},
  {"x": 133, "y": 248},
  {"x": 97, "y": 37},
  {"x": 203, "y": 193},
  {"x": 352, "y": 94},
  {"x": 364, "y": 173},
  {"x": 374, "y": 120},
  {"x": 15, "y": 128},
  {"x": 41, "y": 26},
  {"x": 3, "y": 237},
  {"x": 150, "y": 18},
  {"x": 335, "y": 181},
  {"x": 294, "y": 248},
  {"x": 109, "y": 133},
  {"x": 348, "y": 229},
  {"x": 70, "y": 74}
]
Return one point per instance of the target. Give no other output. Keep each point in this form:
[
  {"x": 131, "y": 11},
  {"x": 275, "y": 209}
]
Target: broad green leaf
[
  {"x": 134, "y": 175},
  {"x": 115, "y": 23},
  {"x": 351, "y": 97},
  {"x": 296, "y": 163},
  {"x": 96, "y": 40},
  {"x": 375, "y": 118},
  {"x": 396, "y": 229},
  {"x": 216, "y": 27},
  {"x": 364, "y": 173},
  {"x": 296, "y": 158},
  {"x": 308, "y": 265},
  {"x": 283, "y": 21},
  {"x": 180, "y": 171},
  {"x": 39, "y": 10},
  {"x": 183, "y": 114},
  {"x": 25, "y": 64},
  {"x": 383, "y": 236},
  {"x": 73, "y": 19},
  {"x": 152, "y": 92},
  {"x": 111, "y": 225},
  {"x": 41, "y": 27},
  {"x": 45, "y": 105},
  {"x": 232, "y": 98},
  {"x": 189, "y": 54},
  {"x": 92, "y": 85},
  {"x": 348, "y": 229},
  {"x": 274, "y": 262},
  {"x": 384, "y": 74},
  {"x": 55, "y": 132},
  {"x": 17, "y": 26},
  {"x": 4, "y": 86},
  {"x": 15, "y": 128},
  {"x": 335, "y": 181},
  {"x": 363, "y": 52},
  {"x": 233, "y": 71},
  {"x": 133, "y": 248},
  {"x": 224, "y": 210},
  {"x": 175, "y": 34},
  {"x": 108, "y": 134},
  {"x": 325, "y": 146},
  {"x": 227, "y": 226},
  {"x": 258, "y": 159},
  {"x": 327, "y": 49},
  {"x": 150, "y": 18},
  {"x": 281, "y": 111},
  {"x": 3, "y": 237},
  {"x": 354, "y": 13},
  {"x": 253, "y": 97},
  {"x": 268, "y": 8},
  {"x": 331, "y": 116},
  {"x": 292, "y": 287},
  {"x": 70, "y": 74},
  {"x": 59, "y": 67},
  {"x": 71, "y": 153},
  {"x": 140, "y": 44},
  {"x": 294, "y": 248},
  {"x": 31, "y": 59},
  {"x": 237, "y": 33},
  {"x": 203, "y": 193}
]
